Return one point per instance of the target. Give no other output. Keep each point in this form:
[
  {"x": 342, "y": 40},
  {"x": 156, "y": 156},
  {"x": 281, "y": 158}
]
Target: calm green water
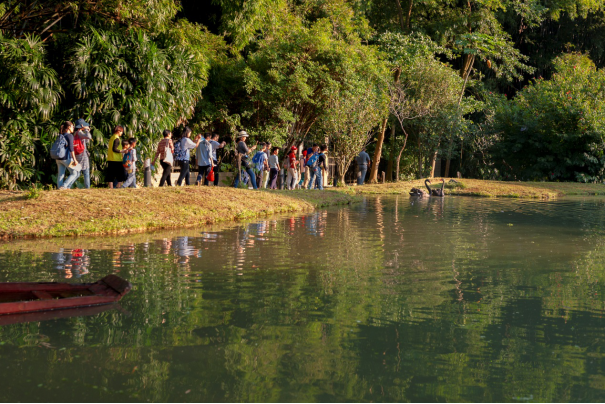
[{"x": 457, "y": 300}]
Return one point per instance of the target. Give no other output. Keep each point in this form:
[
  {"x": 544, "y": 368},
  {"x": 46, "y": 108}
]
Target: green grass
[
  {"x": 470, "y": 187},
  {"x": 104, "y": 211}
]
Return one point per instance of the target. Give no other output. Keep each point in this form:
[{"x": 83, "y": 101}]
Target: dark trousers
[
  {"x": 166, "y": 174},
  {"x": 273, "y": 178},
  {"x": 215, "y": 169},
  {"x": 203, "y": 172},
  {"x": 184, "y": 164}
]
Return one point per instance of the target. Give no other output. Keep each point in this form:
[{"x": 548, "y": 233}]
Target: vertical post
[{"x": 147, "y": 171}]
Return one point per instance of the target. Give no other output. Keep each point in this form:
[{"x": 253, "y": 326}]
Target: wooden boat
[
  {"x": 19, "y": 297},
  {"x": 46, "y": 315}
]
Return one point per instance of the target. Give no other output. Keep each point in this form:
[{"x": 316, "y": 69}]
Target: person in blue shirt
[
  {"x": 185, "y": 145},
  {"x": 203, "y": 154},
  {"x": 363, "y": 161}
]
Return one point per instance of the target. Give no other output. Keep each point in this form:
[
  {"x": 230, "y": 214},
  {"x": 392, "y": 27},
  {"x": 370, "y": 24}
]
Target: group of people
[
  {"x": 264, "y": 167},
  {"x": 308, "y": 170},
  {"x": 178, "y": 152}
]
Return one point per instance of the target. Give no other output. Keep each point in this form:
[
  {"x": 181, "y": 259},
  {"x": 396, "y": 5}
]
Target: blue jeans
[
  {"x": 131, "y": 181},
  {"x": 252, "y": 178},
  {"x": 63, "y": 166},
  {"x": 86, "y": 174},
  {"x": 315, "y": 179},
  {"x": 203, "y": 172},
  {"x": 362, "y": 177},
  {"x": 319, "y": 179}
]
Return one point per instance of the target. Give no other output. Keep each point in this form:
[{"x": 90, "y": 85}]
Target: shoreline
[{"x": 103, "y": 212}]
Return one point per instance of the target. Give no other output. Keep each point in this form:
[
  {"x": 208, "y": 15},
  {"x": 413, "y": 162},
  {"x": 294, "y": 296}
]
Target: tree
[
  {"x": 554, "y": 129},
  {"x": 352, "y": 115},
  {"x": 29, "y": 95},
  {"x": 292, "y": 78}
]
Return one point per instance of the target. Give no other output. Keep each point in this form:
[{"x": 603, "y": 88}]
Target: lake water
[{"x": 462, "y": 299}]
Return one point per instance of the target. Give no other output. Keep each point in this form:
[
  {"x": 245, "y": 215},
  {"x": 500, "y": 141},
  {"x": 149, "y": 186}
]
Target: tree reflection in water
[{"x": 448, "y": 300}]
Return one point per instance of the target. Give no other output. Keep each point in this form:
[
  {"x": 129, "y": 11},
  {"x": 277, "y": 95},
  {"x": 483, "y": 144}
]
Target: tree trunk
[
  {"x": 419, "y": 157},
  {"x": 433, "y": 161},
  {"x": 380, "y": 140},
  {"x": 378, "y": 153},
  {"x": 399, "y": 156},
  {"x": 392, "y": 154},
  {"x": 451, "y": 145}
]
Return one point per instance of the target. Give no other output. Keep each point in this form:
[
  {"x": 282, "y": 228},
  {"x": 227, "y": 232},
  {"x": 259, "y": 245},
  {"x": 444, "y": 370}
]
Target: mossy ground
[
  {"x": 104, "y": 211},
  {"x": 469, "y": 187}
]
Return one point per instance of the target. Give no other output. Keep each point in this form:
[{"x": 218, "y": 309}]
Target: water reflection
[{"x": 391, "y": 300}]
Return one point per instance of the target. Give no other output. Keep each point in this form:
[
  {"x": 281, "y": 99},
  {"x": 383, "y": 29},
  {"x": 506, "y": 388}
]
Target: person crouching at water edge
[
  {"x": 203, "y": 155},
  {"x": 292, "y": 178},
  {"x": 242, "y": 151}
]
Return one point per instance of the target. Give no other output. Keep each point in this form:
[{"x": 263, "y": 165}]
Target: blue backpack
[
  {"x": 313, "y": 160},
  {"x": 180, "y": 153},
  {"x": 58, "y": 150}
]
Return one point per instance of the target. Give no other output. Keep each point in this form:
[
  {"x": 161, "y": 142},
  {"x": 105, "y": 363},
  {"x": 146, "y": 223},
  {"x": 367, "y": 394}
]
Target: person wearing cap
[
  {"x": 292, "y": 178},
  {"x": 242, "y": 152},
  {"x": 83, "y": 135}
]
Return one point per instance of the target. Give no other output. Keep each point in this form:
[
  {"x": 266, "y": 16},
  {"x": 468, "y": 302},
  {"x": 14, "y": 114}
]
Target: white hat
[{"x": 243, "y": 133}]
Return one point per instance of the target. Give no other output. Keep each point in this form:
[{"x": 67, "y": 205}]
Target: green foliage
[
  {"x": 29, "y": 94},
  {"x": 554, "y": 129}
]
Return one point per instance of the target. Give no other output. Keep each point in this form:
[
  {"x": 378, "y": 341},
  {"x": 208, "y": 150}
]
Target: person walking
[
  {"x": 273, "y": 167},
  {"x": 68, "y": 162},
  {"x": 292, "y": 178},
  {"x": 321, "y": 167},
  {"x": 215, "y": 146},
  {"x": 312, "y": 161},
  {"x": 267, "y": 173},
  {"x": 242, "y": 155},
  {"x": 81, "y": 139},
  {"x": 203, "y": 154},
  {"x": 261, "y": 164},
  {"x": 308, "y": 153},
  {"x": 115, "y": 173},
  {"x": 131, "y": 167},
  {"x": 165, "y": 152},
  {"x": 183, "y": 155},
  {"x": 363, "y": 160}
]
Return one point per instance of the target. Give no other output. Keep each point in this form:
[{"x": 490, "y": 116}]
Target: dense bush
[{"x": 554, "y": 129}]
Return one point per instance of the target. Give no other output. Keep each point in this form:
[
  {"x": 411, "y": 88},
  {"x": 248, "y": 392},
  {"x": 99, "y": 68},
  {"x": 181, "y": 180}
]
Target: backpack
[
  {"x": 78, "y": 145},
  {"x": 58, "y": 150},
  {"x": 313, "y": 160},
  {"x": 127, "y": 161},
  {"x": 180, "y": 153},
  {"x": 256, "y": 158}
]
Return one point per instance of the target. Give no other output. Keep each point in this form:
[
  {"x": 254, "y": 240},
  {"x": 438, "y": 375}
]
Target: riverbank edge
[
  {"x": 98, "y": 212},
  {"x": 489, "y": 189}
]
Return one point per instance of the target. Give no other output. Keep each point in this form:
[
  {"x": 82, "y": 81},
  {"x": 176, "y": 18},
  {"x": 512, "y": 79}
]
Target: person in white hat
[{"x": 242, "y": 151}]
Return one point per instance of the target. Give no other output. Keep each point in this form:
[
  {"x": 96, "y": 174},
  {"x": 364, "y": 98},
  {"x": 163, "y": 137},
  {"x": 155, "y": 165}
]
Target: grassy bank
[
  {"x": 103, "y": 211},
  {"x": 468, "y": 187}
]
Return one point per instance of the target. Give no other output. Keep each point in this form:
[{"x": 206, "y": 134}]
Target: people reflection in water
[
  {"x": 71, "y": 263},
  {"x": 185, "y": 251}
]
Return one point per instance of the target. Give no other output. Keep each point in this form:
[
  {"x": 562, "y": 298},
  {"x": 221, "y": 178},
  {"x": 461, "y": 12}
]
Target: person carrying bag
[{"x": 165, "y": 152}]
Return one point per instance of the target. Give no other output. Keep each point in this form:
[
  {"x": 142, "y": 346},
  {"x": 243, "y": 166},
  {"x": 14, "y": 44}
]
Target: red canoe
[{"x": 21, "y": 297}]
